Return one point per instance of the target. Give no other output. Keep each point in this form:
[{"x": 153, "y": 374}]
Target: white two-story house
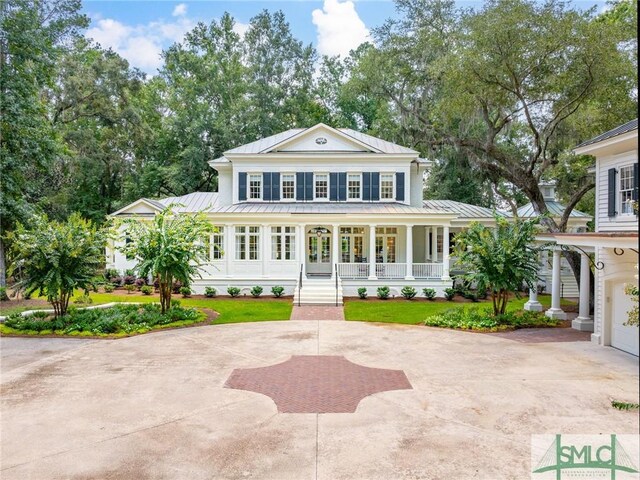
[
  {"x": 313, "y": 208},
  {"x": 614, "y": 244}
]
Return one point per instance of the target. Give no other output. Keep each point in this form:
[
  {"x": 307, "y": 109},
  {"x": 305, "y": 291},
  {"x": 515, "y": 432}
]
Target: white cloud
[
  {"x": 339, "y": 27},
  {"x": 240, "y": 28},
  {"x": 180, "y": 10},
  {"x": 141, "y": 45}
]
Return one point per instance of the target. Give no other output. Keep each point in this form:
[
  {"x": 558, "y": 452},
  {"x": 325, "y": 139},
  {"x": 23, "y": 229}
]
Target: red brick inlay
[{"x": 317, "y": 383}]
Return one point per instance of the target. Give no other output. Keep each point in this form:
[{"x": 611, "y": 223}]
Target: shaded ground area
[{"x": 155, "y": 406}]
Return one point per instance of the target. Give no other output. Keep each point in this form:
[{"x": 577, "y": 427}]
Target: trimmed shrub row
[{"x": 410, "y": 292}]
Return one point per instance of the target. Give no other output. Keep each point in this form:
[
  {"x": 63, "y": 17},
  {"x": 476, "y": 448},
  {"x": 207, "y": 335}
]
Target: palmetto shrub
[
  {"x": 429, "y": 293},
  {"x": 256, "y": 291},
  {"x": 362, "y": 292},
  {"x": 383, "y": 292},
  {"x": 277, "y": 291}
]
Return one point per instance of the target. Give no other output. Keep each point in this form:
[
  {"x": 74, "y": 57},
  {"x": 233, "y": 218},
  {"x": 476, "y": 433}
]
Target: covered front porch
[{"x": 376, "y": 251}]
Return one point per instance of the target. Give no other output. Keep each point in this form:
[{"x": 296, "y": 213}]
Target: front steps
[{"x": 318, "y": 291}]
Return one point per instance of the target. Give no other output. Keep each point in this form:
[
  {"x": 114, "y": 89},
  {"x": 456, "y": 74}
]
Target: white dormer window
[
  {"x": 354, "y": 182},
  {"x": 288, "y": 186},
  {"x": 626, "y": 190},
  {"x": 387, "y": 186},
  {"x": 255, "y": 186},
  {"x": 321, "y": 186}
]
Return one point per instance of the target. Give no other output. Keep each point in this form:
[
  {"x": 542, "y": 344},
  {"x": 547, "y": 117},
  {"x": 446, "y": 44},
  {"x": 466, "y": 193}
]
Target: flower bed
[
  {"x": 117, "y": 321},
  {"x": 483, "y": 320}
]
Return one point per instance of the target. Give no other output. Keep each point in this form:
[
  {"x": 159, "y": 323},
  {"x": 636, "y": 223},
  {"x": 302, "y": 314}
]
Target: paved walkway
[
  {"x": 155, "y": 406},
  {"x": 317, "y": 312}
]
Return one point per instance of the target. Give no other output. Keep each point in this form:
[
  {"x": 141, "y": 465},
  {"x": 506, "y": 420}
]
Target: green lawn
[
  {"x": 416, "y": 311},
  {"x": 231, "y": 310}
]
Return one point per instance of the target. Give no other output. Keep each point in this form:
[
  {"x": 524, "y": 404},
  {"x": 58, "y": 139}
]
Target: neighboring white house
[
  {"x": 320, "y": 207},
  {"x": 615, "y": 241},
  {"x": 576, "y": 223}
]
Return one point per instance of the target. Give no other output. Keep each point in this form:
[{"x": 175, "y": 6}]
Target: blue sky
[{"x": 139, "y": 30}]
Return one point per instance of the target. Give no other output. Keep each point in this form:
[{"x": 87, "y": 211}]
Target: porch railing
[
  {"x": 427, "y": 270},
  {"x": 389, "y": 270},
  {"x": 353, "y": 270}
]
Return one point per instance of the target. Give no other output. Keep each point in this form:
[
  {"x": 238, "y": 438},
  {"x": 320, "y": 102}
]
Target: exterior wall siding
[{"x": 604, "y": 223}]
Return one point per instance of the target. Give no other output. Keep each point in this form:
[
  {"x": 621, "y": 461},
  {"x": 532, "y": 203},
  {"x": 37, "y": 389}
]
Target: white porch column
[
  {"x": 434, "y": 244},
  {"x": 409, "y": 253},
  {"x": 335, "y": 249},
  {"x": 555, "y": 311},
  {"x": 445, "y": 254},
  {"x": 427, "y": 247},
  {"x": 584, "y": 322},
  {"x": 372, "y": 252},
  {"x": 533, "y": 304},
  {"x": 229, "y": 246},
  {"x": 266, "y": 249}
]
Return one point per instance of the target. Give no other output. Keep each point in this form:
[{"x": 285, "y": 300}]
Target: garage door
[{"x": 623, "y": 337}]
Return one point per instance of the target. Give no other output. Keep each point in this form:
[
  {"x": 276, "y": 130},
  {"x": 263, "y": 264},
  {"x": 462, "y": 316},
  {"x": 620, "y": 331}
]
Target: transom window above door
[{"x": 321, "y": 186}]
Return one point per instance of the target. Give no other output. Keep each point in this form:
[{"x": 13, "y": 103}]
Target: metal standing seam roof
[
  {"x": 464, "y": 210},
  {"x": 556, "y": 209},
  {"x": 298, "y": 208},
  {"x": 192, "y": 202},
  {"x": 627, "y": 127},
  {"x": 265, "y": 143}
]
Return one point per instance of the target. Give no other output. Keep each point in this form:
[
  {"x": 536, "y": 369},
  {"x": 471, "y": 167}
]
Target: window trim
[
  {"x": 619, "y": 202},
  {"x": 321, "y": 199},
  {"x": 261, "y": 179},
  {"x": 218, "y": 232},
  {"x": 282, "y": 235},
  {"x": 393, "y": 187},
  {"x": 359, "y": 174},
  {"x": 282, "y": 175},
  {"x": 246, "y": 234}
]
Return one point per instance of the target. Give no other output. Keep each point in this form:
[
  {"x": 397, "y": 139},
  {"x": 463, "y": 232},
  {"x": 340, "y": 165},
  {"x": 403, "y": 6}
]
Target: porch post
[
  {"x": 555, "y": 311},
  {"x": 409, "y": 253},
  {"x": 445, "y": 254},
  {"x": 584, "y": 322},
  {"x": 427, "y": 246},
  {"x": 372, "y": 252},
  {"x": 533, "y": 304},
  {"x": 230, "y": 246},
  {"x": 266, "y": 251},
  {"x": 335, "y": 249},
  {"x": 434, "y": 244}
]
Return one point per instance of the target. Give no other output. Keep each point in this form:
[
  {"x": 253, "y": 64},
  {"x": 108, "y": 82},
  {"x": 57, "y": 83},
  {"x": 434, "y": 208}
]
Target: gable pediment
[{"x": 321, "y": 139}]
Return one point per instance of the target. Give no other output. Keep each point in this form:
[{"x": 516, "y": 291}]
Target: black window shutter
[
  {"x": 400, "y": 186},
  {"x": 375, "y": 186},
  {"x": 342, "y": 186},
  {"x": 635, "y": 182},
  {"x": 612, "y": 192},
  {"x": 275, "y": 186},
  {"x": 333, "y": 187},
  {"x": 308, "y": 185},
  {"x": 366, "y": 186},
  {"x": 242, "y": 186},
  {"x": 266, "y": 186},
  {"x": 300, "y": 186}
]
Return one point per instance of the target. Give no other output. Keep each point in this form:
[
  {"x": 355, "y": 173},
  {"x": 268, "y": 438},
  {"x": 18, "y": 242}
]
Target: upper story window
[
  {"x": 354, "y": 190},
  {"x": 387, "y": 183},
  {"x": 626, "y": 190},
  {"x": 321, "y": 186},
  {"x": 255, "y": 186},
  {"x": 288, "y": 186}
]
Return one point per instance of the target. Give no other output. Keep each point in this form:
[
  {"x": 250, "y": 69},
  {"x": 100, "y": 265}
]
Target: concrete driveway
[{"x": 154, "y": 406}]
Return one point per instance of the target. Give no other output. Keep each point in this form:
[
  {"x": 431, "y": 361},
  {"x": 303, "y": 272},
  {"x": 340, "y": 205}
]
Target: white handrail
[{"x": 427, "y": 270}]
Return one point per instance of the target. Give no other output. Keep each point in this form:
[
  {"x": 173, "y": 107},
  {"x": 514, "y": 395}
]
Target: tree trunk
[{"x": 3, "y": 265}]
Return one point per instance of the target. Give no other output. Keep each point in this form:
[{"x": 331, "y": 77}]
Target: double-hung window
[
  {"x": 255, "y": 186},
  {"x": 288, "y": 185},
  {"x": 321, "y": 186},
  {"x": 354, "y": 183},
  {"x": 217, "y": 244},
  {"x": 247, "y": 243},
  {"x": 387, "y": 184},
  {"x": 283, "y": 243},
  {"x": 626, "y": 190}
]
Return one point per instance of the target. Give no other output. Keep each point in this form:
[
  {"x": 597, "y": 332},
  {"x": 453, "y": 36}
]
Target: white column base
[
  {"x": 595, "y": 338},
  {"x": 372, "y": 277},
  {"x": 582, "y": 324},
  {"x": 533, "y": 306},
  {"x": 445, "y": 278},
  {"x": 556, "y": 313}
]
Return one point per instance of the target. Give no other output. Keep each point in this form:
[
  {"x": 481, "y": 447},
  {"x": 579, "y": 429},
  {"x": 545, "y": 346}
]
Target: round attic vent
[{"x": 321, "y": 140}]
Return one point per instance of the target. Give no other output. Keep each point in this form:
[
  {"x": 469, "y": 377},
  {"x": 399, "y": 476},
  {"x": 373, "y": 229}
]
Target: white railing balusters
[{"x": 389, "y": 270}]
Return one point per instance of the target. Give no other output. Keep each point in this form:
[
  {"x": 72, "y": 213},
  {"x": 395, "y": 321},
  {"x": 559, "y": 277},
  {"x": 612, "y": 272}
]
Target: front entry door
[{"x": 319, "y": 253}]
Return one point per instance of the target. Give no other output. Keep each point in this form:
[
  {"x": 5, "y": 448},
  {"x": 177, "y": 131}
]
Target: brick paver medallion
[{"x": 317, "y": 383}]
